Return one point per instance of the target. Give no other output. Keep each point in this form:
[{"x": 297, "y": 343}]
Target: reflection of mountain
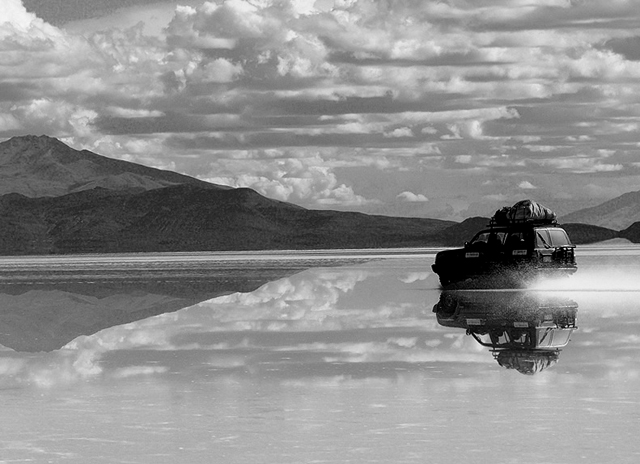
[
  {"x": 44, "y": 313},
  {"x": 525, "y": 330}
]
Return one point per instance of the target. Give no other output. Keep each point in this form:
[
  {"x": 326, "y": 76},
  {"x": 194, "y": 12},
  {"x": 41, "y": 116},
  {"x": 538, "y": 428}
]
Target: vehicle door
[
  {"x": 517, "y": 246},
  {"x": 543, "y": 245},
  {"x": 485, "y": 249}
]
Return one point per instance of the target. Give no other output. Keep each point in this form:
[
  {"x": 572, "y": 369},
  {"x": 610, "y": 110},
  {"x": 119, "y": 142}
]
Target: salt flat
[{"x": 302, "y": 357}]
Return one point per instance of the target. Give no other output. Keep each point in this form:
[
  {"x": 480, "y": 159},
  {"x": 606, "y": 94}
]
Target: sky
[{"x": 444, "y": 109}]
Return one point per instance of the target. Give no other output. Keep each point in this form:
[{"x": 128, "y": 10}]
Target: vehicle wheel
[{"x": 448, "y": 305}]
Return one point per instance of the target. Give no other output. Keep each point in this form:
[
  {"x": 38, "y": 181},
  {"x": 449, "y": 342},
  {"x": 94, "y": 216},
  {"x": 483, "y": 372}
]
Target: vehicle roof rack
[{"x": 521, "y": 222}]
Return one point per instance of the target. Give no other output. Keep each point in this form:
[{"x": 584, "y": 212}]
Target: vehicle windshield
[
  {"x": 559, "y": 237},
  {"x": 542, "y": 238},
  {"x": 549, "y": 238}
]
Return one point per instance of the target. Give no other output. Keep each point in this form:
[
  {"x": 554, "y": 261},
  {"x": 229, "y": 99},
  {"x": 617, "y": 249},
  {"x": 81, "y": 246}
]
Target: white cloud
[
  {"x": 579, "y": 165},
  {"x": 133, "y": 113},
  {"x": 526, "y": 185},
  {"x": 309, "y": 74},
  {"x": 400, "y": 132},
  {"x": 303, "y": 181},
  {"x": 412, "y": 197},
  {"x": 16, "y": 20},
  {"x": 220, "y": 71}
]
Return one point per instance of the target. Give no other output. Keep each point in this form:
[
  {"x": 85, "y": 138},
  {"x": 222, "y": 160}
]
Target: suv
[{"x": 515, "y": 250}]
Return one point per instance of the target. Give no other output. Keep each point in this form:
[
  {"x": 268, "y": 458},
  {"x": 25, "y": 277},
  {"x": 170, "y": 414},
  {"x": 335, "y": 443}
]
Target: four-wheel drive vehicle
[{"x": 510, "y": 247}]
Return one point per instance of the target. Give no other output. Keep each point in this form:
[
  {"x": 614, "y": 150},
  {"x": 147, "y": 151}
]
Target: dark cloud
[
  {"x": 629, "y": 47},
  {"x": 578, "y": 15},
  {"x": 60, "y": 12},
  {"x": 18, "y": 91}
]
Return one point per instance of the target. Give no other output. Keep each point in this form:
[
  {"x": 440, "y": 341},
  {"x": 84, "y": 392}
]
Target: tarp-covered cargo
[{"x": 524, "y": 211}]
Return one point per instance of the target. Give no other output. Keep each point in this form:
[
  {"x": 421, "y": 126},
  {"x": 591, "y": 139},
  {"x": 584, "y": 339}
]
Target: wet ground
[{"x": 315, "y": 357}]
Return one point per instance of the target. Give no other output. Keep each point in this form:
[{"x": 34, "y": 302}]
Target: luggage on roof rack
[{"x": 525, "y": 211}]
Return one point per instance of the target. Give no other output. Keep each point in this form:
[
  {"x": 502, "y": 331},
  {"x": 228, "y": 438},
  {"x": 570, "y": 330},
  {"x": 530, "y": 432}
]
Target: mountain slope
[
  {"x": 457, "y": 234},
  {"x": 192, "y": 218},
  {"x": 44, "y": 166},
  {"x": 617, "y": 214},
  {"x": 60, "y": 200}
]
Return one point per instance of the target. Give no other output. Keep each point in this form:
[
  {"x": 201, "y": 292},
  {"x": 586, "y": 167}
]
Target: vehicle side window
[
  {"x": 516, "y": 240},
  {"x": 542, "y": 238},
  {"x": 480, "y": 238},
  {"x": 493, "y": 239},
  {"x": 559, "y": 238}
]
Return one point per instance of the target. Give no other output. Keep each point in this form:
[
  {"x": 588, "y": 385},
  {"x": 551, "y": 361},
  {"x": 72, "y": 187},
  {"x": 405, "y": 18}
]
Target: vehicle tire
[{"x": 448, "y": 305}]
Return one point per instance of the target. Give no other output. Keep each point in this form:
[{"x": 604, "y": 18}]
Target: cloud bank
[{"x": 345, "y": 103}]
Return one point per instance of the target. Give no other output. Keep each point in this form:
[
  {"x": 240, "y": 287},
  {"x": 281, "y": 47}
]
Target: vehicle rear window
[{"x": 559, "y": 238}]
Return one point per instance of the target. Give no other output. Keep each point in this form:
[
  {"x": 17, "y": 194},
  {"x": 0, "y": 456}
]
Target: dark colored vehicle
[{"x": 512, "y": 251}]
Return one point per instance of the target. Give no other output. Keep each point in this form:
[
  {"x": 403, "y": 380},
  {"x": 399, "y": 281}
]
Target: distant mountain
[
  {"x": 44, "y": 166},
  {"x": 617, "y": 214},
  {"x": 192, "y": 218},
  {"x": 587, "y": 233},
  {"x": 54, "y": 199},
  {"x": 457, "y": 234},
  {"x": 631, "y": 233}
]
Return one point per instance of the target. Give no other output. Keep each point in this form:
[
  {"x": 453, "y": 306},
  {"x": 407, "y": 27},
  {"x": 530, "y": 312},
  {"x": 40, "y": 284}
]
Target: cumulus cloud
[
  {"x": 580, "y": 165},
  {"x": 546, "y": 77},
  {"x": 526, "y": 185},
  {"x": 412, "y": 197},
  {"x": 305, "y": 180},
  {"x": 400, "y": 132}
]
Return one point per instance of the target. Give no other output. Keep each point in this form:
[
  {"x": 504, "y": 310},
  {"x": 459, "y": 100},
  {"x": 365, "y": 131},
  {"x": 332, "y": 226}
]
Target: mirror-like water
[{"x": 354, "y": 357}]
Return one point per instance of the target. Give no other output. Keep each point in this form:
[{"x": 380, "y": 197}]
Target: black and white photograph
[{"x": 319, "y": 231}]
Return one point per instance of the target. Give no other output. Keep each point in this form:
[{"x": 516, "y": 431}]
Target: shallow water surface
[{"x": 331, "y": 357}]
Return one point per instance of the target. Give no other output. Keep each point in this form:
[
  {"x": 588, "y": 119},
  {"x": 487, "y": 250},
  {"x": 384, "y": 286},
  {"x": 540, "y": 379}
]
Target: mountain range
[
  {"x": 54, "y": 199},
  {"x": 618, "y": 213},
  {"x": 45, "y": 167}
]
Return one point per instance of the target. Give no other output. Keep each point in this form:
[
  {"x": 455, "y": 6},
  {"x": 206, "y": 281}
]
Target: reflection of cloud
[
  {"x": 286, "y": 324},
  {"x": 51, "y": 369},
  {"x": 134, "y": 371},
  {"x": 415, "y": 276},
  {"x": 310, "y": 324}
]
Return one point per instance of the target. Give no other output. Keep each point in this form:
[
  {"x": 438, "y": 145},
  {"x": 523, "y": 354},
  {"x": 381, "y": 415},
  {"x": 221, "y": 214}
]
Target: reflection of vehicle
[
  {"x": 525, "y": 330},
  {"x": 510, "y": 248}
]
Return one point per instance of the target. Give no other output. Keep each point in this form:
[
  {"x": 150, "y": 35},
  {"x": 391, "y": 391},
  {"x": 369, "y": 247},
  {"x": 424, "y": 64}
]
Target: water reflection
[
  {"x": 331, "y": 364},
  {"x": 45, "y": 311},
  {"x": 268, "y": 322},
  {"x": 525, "y": 330}
]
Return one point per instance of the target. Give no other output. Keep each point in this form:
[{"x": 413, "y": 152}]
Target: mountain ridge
[
  {"x": 192, "y": 218},
  {"x": 38, "y": 166},
  {"x": 618, "y": 213},
  {"x": 72, "y": 201}
]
